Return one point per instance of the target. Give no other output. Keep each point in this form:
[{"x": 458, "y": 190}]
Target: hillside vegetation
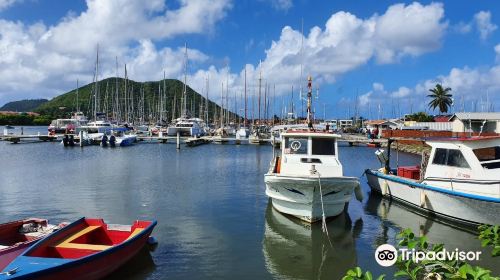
[
  {"x": 26, "y": 105},
  {"x": 66, "y": 103}
]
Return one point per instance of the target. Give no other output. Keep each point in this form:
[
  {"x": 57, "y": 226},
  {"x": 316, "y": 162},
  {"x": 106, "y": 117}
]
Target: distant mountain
[
  {"x": 26, "y": 105},
  {"x": 130, "y": 99}
]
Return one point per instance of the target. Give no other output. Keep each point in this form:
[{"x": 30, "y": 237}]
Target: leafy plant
[
  {"x": 490, "y": 236},
  {"x": 358, "y": 274},
  {"x": 435, "y": 269}
]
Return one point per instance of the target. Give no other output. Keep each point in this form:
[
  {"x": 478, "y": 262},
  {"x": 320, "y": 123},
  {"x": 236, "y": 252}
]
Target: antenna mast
[{"x": 309, "y": 101}]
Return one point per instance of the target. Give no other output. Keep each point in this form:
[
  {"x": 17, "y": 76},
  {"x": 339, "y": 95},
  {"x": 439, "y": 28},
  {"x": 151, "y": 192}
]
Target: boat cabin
[
  {"x": 467, "y": 158},
  {"x": 300, "y": 150}
]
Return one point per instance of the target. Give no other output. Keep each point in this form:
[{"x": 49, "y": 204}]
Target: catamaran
[
  {"x": 458, "y": 181},
  {"x": 185, "y": 125},
  {"x": 306, "y": 180}
]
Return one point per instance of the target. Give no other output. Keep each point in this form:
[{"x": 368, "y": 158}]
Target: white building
[{"x": 486, "y": 122}]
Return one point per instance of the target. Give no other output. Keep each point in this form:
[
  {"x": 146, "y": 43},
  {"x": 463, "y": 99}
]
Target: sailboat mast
[
  {"x": 260, "y": 84},
  {"x": 206, "y": 102},
  {"x": 245, "y": 121},
  {"x": 184, "y": 93},
  {"x": 96, "y": 90},
  {"x": 77, "y": 104}
]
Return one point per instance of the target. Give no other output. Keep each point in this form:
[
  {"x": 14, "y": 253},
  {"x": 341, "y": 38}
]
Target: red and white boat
[
  {"x": 84, "y": 249},
  {"x": 17, "y": 236}
]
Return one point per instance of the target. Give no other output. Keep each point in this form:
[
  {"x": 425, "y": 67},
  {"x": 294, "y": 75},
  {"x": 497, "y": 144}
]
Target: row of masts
[{"x": 120, "y": 104}]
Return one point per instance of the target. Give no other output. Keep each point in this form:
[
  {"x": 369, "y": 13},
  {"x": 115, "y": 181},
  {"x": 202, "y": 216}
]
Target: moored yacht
[
  {"x": 70, "y": 125},
  {"x": 186, "y": 127},
  {"x": 459, "y": 180}
]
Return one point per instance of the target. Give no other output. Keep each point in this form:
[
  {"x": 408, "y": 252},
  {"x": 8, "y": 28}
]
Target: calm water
[{"x": 214, "y": 219}]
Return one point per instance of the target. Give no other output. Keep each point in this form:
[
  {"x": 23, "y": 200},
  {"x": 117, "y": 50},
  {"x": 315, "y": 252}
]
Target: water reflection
[
  {"x": 395, "y": 214},
  {"x": 293, "y": 249},
  {"x": 139, "y": 267}
]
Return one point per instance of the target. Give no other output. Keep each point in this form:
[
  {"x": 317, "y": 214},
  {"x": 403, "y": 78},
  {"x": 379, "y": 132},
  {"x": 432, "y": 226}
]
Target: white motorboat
[
  {"x": 306, "y": 180},
  {"x": 242, "y": 133},
  {"x": 122, "y": 137},
  {"x": 459, "y": 180},
  {"x": 186, "y": 127},
  {"x": 67, "y": 125}
]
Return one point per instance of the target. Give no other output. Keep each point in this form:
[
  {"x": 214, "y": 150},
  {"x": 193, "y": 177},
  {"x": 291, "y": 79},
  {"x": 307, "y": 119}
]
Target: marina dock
[{"x": 17, "y": 138}]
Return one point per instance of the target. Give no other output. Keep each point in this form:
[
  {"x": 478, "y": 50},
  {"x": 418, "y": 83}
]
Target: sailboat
[
  {"x": 256, "y": 137},
  {"x": 185, "y": 125},
  {"x": 306, "y": 179},
  {"x": 244, "y": 131}
]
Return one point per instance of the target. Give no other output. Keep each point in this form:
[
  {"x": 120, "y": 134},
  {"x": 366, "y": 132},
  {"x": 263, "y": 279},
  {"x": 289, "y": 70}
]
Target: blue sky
[{"x": 384, "y": 54}]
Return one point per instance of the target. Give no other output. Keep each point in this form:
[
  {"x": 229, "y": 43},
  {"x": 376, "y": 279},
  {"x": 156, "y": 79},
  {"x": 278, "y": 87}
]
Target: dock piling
[{"x": 178, "y": 140}]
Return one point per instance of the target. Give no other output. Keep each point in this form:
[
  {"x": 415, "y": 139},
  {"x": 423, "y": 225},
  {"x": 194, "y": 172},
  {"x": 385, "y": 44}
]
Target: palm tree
[{"x": 440, "y": 98}]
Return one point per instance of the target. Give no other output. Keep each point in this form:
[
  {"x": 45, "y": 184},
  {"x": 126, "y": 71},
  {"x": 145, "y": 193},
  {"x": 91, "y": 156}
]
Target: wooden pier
[
  {"x": 357, "y": 140},
  {"x": 17, "y": 138}
]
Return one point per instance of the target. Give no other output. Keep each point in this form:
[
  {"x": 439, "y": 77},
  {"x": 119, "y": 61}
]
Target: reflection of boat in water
[
  {"x": 397, "y": 214},
  {"x": 296, "y": 250}
]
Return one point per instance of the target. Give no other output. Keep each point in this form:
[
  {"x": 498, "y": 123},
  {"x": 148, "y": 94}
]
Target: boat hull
[
  {"x": 185, "y": 131},
  {"x": 95, "y": 266},
  {"x": 126, "y": 141},
  {"x": 301, "y": 196},
  {"x": 430, "y": 200}
]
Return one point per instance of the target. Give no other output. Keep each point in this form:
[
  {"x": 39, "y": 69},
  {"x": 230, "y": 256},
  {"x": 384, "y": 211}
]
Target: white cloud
[
  {"x": 497, "y": 52},
  {"x": 462, "y": 27},
  {"x": 42, "y": 61},
  {"x": 483, "y": 24},
  {"x": 473, "y": 89},
  {"x": 347, "y": 42},
  {"x": 50, "y": 58},
  {"x": 283, "y": 5},
  {"x": 4, "y": 4}
]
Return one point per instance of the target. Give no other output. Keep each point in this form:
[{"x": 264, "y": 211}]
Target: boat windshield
[
  {"x": 489, "y": 157},
  {"x": 323, "y": 146},
  {"x": 295, "y": 145}
]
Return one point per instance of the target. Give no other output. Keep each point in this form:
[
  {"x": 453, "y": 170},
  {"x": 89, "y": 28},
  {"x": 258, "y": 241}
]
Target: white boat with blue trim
[{"x": 459, "y": 181}]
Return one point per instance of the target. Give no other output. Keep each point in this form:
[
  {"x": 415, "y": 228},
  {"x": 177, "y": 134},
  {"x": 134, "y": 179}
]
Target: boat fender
[
  {"x": 152, "y": 240},
  {"x": 358, "y": 193},
  {"x": 104, "y": 140},
  {"x": 112, "y": 140},
  {"x": 65, "y": 140}
]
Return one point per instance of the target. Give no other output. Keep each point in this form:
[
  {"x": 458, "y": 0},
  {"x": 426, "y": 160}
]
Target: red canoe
[
  {"x": 84, "y": 249},
  {"x": 17, "y": 236}
]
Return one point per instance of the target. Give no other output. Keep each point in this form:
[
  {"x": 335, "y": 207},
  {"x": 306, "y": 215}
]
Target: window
[
  {"x": 455, "y": 158},
  {"x": 323, "y": 146},
  {"x": 440, "y": 156},
  {"x": 487, "y": 154},
  {"x": 491, "y": 155},
  {"x": 295, "y": 145},
  {"x": 450, "y": 157}
]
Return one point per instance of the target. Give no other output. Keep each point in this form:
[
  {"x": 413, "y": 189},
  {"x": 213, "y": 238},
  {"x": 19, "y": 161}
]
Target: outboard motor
[
  {"x": 104, "y": 140},
  {"x": 66, "y": 140},
  {"x": 71, "y": 141},
  {"x": 112, "y": 141}
]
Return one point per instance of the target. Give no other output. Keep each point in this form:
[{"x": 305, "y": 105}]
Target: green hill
[
  {"x": 26, "y": 105},
  {"x": 64, "y": 104}
]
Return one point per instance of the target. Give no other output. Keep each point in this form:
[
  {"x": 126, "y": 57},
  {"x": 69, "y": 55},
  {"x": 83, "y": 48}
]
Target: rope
[{"x": 323, "y": 217}]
